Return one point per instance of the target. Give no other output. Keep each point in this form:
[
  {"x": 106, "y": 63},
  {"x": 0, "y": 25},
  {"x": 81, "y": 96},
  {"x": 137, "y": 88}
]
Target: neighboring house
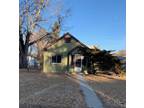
[
  {"x": 66, "y": 54},
  {"x": 32, "y": 62}
]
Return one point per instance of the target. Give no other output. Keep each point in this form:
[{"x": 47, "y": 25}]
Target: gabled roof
[{"x": 63, "y": 37}]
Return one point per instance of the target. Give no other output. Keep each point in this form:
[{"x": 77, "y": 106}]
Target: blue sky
[{"x": 98, "y": 22}]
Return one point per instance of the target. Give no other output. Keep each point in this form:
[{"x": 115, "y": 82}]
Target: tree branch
[{"x": 31, "y": 43}]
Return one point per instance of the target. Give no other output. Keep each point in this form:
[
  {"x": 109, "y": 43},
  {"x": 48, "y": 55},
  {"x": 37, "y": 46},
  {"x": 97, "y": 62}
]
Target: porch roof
[{"x": 80, "y": 49}]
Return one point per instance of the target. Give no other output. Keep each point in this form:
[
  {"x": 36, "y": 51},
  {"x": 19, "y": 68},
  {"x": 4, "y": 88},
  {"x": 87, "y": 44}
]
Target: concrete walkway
[{"x": 91, "y": 98}]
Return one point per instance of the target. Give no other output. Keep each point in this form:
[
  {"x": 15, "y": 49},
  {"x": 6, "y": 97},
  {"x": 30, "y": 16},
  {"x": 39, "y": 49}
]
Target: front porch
[{"x": 78, "y": 60}]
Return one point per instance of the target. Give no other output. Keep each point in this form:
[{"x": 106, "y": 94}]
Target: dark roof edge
[{"x": 64, "y": 36}]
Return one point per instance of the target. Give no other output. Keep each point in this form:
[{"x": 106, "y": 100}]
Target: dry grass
[
  {"x": 111, "y": 90},
  {"x": 39, "y": 90}
]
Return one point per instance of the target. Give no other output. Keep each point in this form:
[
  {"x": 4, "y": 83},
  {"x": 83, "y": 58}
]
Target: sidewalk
[{"x": 91, "y": 98}]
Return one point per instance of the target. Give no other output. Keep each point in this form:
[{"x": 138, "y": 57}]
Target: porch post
[{"x": 82, "y": 57}]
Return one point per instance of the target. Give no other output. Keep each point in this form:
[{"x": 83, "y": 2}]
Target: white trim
[{"x": 55, "y": 63}]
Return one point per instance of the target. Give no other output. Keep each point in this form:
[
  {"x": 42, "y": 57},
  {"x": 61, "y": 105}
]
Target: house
[{"x": 66, "y": 54}]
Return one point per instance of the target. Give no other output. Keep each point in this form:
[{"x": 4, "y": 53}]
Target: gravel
[{"x": 38, "y": 90}]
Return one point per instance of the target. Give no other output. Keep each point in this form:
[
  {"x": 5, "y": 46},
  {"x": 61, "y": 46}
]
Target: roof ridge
[{"x": 67, "y": 33}]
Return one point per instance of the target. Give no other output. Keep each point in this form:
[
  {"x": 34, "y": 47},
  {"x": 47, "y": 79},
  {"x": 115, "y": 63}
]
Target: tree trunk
[
  {"x": 23, "y": 51},
  {"x": 22, "y": 61}
]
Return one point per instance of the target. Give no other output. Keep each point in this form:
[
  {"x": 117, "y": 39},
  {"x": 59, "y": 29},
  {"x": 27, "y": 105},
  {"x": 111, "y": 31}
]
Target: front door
[{"x": 78, "y": 63}]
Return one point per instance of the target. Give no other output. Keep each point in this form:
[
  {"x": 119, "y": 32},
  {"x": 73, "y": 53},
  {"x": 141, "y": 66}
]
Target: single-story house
[{"x": 66, "y": 54}]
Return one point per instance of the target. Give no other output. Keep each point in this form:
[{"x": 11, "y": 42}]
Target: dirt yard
[
  {"x": 39, "y": 90},
  {"x": 112, "y": 91}
]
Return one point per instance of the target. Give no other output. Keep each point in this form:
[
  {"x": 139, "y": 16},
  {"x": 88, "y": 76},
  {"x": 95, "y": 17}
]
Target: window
[
  {"x": 56, "y": 59},
  {"x": 53, "y": 59}
]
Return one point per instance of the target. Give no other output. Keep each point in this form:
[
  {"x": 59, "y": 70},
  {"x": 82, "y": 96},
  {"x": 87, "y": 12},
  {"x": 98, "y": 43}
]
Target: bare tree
[
  {"x": 40, "y": 45},
  {"x": 33, "y": 14}
]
